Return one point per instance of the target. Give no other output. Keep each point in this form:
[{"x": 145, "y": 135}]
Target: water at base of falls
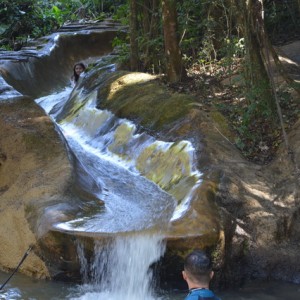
[
  {"x": 21, "y": 287},
  {"x": 122, "y": 270}
]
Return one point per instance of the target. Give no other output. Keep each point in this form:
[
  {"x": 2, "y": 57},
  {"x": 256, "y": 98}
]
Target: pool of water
[{"x": 25, "y": 288}]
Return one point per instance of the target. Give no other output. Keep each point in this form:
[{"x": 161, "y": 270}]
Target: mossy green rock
[{"x": 140, "y": 97}]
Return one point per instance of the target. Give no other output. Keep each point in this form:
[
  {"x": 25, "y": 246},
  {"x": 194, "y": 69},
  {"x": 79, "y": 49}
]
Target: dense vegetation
[
  {"x": 214, "y": 39},
  {"x": 21, "y": 20}
]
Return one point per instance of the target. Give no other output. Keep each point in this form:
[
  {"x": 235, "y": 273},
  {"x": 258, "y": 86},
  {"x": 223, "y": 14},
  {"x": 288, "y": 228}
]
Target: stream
[
  {"x": 136, "y": 212},
  {"x": 25, "y": 288}
]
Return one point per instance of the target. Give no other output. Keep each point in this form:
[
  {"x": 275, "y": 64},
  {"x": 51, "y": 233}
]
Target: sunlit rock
[{"x": 175, "y": 170}]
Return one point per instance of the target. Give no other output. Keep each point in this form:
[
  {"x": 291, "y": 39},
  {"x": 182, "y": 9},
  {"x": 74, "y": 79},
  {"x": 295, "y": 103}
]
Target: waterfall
[
  {"x": 122, "y": 268},
  {"x": 130, "y": 185}
]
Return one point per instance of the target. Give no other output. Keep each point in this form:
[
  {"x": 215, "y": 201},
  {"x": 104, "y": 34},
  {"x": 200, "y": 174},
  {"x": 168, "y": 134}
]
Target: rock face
[
  {"x": 247, "y": 215},
  {"x": 259, "y": 205},
  {"x": 35, "y": 173}
]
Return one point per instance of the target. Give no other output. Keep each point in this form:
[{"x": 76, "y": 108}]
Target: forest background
[{"x": 225, "y": 52}]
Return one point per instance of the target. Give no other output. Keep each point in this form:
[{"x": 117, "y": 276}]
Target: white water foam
[{"x": 122, "y": 269}]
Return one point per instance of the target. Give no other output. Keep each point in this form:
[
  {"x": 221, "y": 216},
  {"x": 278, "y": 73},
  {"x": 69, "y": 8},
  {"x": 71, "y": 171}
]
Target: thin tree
[
  {"x": 173, "y": 56},
  {"x": 134, "y": 56},
  {"x": 151, "y": 24}
]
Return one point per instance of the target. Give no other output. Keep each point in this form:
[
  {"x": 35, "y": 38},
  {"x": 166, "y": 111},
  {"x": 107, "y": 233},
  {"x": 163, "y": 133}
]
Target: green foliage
[
  {"x": 192, "y": 26},
  {"x": 27, "y": 19},
  {"x": 233, "y": 47},
  {"x": 23, "y": 19},
  {"x": 122, "y": 14},
  {"x": 208, "y": 34},
  {"x": 150, "y": 44},
  {"x": 282, "y": 17},
  {"x": 3, "y": 28},
  {"x": 122, "y": 48}
]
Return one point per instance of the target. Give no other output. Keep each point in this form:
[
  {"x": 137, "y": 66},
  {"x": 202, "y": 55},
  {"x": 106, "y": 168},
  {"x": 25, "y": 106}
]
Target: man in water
[{"x": 198, "y": 273}]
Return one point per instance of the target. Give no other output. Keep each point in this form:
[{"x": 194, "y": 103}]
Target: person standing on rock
[
  {"x": 77, "y": 70},
  {"x": 198, "y": 273}
]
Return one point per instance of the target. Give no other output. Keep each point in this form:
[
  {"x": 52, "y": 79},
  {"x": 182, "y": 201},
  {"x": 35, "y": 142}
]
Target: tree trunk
[
  {"x": 257, "y": 77},
  {"x": 134, "y": 57},
  {"x": 146, "y": 12},
  {"x": 152, "y": 33},
  {"x": 172, "y": 50}
]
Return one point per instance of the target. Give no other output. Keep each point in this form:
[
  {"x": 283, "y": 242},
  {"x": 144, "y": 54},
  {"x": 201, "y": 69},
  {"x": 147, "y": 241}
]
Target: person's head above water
[
  {"x": 77, "y": 70},
  {"x": 197, "y": 270}
]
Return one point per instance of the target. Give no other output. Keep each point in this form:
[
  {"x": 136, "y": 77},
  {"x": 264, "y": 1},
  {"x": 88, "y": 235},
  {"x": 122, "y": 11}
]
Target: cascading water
[
  {"x": 132, "y": 202},
  {"x": 133, "y": 211},
  {"x": 121, "y": 269}
]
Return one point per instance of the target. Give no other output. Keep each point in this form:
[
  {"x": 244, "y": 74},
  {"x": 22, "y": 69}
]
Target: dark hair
[
  {"x": 198, "y": 265},
  {"x": 75, "y": 76}
]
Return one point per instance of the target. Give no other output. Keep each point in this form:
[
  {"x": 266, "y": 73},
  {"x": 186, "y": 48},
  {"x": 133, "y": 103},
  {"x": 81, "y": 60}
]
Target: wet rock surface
[{"x": 246, "y": 214}]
